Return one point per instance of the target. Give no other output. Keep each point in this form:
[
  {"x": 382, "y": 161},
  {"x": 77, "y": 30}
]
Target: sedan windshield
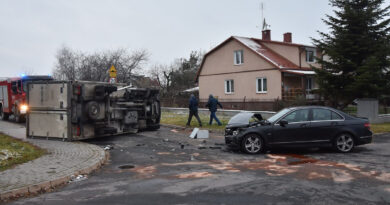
[{"x": 278, "y": 115}]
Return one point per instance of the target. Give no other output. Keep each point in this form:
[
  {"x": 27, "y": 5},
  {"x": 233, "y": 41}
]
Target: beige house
[{"x": 257, "y": 70}]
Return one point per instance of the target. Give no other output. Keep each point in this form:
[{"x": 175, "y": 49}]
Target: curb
[{"x": 48, "y": 186}]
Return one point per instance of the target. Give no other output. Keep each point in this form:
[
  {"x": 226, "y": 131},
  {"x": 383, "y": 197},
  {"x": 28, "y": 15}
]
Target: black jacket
[
  {"x": 212, "y": 104},
  {"x": 193, "y": 105}
]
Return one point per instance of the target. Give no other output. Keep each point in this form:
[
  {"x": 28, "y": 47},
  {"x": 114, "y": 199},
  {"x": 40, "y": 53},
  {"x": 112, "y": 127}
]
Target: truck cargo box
[{"x": 75, "y": 110}]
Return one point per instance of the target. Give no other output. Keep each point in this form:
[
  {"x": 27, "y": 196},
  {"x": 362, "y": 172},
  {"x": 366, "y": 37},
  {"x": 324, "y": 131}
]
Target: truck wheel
[
  {"x": 3, "y": 116},
  {"x": 93, "y": 110},
  {"x": 19, "y": 117},
  {"x": 153, "y": 127}
]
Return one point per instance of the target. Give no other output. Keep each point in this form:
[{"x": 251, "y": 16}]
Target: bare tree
[
  {"x": 163, "y": 74},
  {"x": 66, "y": 66},
  {"x": 94, "y": 67},
  {"x": 178, "y": 76}
]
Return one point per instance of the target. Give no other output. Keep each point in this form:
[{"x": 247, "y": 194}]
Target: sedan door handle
[
  {"x": 334, "y": 123},
  {"x": 303, "y": 125}
]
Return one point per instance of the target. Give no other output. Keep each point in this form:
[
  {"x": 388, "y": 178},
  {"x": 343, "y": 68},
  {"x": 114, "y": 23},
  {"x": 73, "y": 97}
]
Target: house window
[
  {"x": 261, "y": 85},
  {"x": 310, "y": 54},
  {"x": 238, "y": 57},
  {"x": 309, "y": 83},
  {"x": 229, "y": 86}
]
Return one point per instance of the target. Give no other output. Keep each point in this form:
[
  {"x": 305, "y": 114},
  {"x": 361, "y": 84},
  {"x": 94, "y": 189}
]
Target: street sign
[
  {"x": 112, "y": 80},
  {"x": 112, "y": 72}
]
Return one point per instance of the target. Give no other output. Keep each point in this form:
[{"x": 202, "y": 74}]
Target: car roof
[{"x": 311, "y": 106}]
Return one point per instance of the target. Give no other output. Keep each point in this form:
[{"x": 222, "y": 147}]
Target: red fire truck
[{"x": 13, "y": 96}]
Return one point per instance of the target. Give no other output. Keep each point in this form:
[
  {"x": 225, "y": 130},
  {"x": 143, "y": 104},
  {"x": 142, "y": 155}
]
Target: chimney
[
  {"x": 266, "y": 35},
  {"x": 287, "y": 37}
]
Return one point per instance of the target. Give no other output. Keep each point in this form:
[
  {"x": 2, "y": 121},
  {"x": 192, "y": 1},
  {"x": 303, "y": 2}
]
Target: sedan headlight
[{"x": 235, "y": 132}]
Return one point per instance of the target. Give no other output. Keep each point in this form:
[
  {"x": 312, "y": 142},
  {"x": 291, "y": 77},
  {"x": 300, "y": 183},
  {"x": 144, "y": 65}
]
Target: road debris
[
  {"x": 203, "y": 134},
  {"x": 175, "y": 131},
  {"x": 199, "y": 134},
  {"x": 194, "y": 133},
  {"x": 78, "y": 178},
  {"x": 108, "y": 147},
  {"x": 140, "y": 145},
  {"x": 166, "y": 140}
]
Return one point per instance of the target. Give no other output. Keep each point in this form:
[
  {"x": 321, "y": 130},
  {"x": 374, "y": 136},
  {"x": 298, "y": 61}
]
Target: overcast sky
[{"x": 31, "y": 31}]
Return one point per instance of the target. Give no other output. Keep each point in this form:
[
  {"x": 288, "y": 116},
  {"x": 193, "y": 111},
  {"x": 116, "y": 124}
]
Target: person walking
[
  {"x": 212, "y": 105},
  {"x": 193, "y": 106}
]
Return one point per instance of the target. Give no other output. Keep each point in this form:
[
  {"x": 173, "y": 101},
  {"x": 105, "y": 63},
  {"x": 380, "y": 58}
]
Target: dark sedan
[{"x": 311, "y": 126}]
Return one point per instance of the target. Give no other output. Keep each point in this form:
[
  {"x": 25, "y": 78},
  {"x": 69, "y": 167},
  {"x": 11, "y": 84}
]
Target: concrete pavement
[
  {"x": 63, "y": 159},
  {"x": 155, "y": 168}
]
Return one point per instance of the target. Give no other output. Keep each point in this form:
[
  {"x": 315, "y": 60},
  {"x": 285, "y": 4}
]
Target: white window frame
[
  {"x": 311, "y": 79},
  {"x": 230, "y": 88},
  {"x": 262, "y": 85},
  {"x": 240, "y": 60},
  {"x": 314, "y": 55}
]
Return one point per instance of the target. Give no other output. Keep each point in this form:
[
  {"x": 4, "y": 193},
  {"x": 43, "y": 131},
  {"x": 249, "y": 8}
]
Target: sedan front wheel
[
  {"x": 252, "y": 144},
  {"x": 344, "y": 143}
]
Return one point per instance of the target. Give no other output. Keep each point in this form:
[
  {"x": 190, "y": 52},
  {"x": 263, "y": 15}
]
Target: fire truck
[{"x": 13, "y": 96}]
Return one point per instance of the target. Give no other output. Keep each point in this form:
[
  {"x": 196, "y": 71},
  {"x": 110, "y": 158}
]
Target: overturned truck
[{"x": 76, "y": 110}]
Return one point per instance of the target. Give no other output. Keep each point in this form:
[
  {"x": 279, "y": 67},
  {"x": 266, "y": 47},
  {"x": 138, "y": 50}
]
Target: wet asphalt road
[{"x": 164, "y": 173}]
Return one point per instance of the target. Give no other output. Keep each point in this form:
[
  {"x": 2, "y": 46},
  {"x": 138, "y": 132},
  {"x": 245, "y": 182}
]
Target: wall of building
[
  {"x": 222, "y": 60},
  {"x": 219, "y": 66},
  {"x": 244, "y": 85}
]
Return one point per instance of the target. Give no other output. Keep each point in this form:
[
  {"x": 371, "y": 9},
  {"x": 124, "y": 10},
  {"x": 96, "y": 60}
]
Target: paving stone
[{"x": 62, "y": 160}]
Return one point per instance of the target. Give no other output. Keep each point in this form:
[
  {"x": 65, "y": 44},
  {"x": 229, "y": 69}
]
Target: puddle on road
[{"x": 126, "y": 166}]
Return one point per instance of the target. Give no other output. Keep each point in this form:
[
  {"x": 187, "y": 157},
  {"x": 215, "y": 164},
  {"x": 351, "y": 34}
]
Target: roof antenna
[{"x": 264, "y": 26}]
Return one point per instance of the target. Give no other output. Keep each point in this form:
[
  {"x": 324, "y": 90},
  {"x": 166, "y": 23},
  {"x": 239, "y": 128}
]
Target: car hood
[{"x": 242, "y": 119}]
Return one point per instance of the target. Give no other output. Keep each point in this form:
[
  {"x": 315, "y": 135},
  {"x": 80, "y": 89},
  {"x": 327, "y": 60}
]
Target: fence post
[{"x": 243, "y": 106}]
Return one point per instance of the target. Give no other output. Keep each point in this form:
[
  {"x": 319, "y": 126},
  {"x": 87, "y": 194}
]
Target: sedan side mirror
[{"x": 283, "y": 123}]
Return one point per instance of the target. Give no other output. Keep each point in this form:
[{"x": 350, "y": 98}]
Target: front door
[{"x": 296, "y": 131}]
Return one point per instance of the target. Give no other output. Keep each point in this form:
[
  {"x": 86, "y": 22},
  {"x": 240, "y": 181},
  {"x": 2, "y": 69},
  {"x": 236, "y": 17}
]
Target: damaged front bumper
[{"x": 232, "y": 141}]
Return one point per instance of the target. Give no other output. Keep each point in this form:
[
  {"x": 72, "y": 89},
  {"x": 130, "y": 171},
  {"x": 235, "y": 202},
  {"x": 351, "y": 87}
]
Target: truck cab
[{"x": 13, "y": 96}]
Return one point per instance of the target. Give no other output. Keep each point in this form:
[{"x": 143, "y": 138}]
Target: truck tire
[
  {"x": 3, "y": 116},
  {"x": 153, "y": 127},
  {"x": 93, "y": 110},
  {"x": 19, "y": 117}
]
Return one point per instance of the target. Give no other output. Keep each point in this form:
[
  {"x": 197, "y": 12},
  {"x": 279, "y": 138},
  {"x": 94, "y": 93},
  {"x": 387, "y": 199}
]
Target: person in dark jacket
[
  {"x": 193, "y": 106},
  {"x": 212, "y": 105}
]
